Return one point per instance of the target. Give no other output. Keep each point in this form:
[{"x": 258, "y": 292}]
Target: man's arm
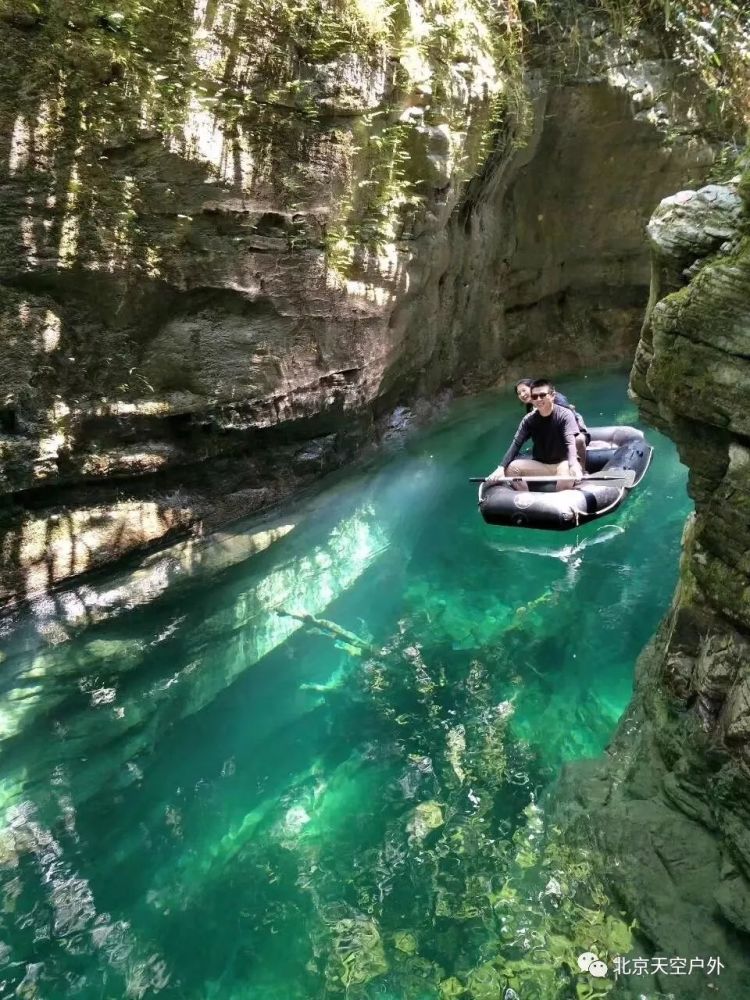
[
  {"x": 570, "y": 429},
  {"x": 562, "y": 400},
  {"x": 520, "y": 438}
]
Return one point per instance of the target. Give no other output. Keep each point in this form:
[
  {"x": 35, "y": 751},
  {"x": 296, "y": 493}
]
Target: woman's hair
[{"x": 523, "y": 381}]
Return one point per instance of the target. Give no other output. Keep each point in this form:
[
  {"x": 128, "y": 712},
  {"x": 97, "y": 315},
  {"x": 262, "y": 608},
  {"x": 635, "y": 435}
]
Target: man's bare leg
[
  {"x": 530, "y": 467},
  {"x": 518, "y": 469},
  {"x": 563, "y": 469},
  {"x": 581, "y": 450}
]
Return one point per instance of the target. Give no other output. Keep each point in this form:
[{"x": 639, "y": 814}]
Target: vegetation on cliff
[
  {"x": 711, "y": 37},
  {"x": 257, "y": 91},
  {"x": 409, "y": 94}
]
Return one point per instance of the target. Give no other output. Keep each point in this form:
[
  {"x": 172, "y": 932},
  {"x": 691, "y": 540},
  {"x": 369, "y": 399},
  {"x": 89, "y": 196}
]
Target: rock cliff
[
  {"x": 236, "y": 241},
  {"x": 670, "y": 804}
]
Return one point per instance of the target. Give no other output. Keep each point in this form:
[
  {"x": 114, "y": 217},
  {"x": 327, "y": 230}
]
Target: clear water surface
[{"x": 203, "y": 797}]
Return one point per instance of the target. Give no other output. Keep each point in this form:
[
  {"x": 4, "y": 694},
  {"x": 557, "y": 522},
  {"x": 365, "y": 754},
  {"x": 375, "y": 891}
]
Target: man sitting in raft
[
  {"x": 553, "y": 431},
  {"x": 523, "y": 391}
]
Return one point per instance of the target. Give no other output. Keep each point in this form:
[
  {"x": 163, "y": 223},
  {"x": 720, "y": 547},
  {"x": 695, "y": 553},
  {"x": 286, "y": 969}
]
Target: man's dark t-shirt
[
  {"x": 561, "y": 400},
  {"x": 553, "y": 437}
]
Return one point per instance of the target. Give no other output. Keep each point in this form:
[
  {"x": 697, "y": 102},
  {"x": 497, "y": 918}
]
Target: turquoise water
[{"x": 205, "y": 798}]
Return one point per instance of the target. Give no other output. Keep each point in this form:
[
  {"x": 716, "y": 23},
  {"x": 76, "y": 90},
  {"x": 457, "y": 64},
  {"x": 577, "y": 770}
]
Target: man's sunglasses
[{"x": 539, "y": 395}]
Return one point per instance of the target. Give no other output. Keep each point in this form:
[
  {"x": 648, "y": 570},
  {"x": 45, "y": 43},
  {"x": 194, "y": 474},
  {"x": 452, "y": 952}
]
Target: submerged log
[{"x": 322, "y": 626}]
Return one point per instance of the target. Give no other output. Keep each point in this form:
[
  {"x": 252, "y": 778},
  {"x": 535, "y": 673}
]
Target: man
[
  {"x": 523, "y": 391},
  {"x": 553, "y": 431}
]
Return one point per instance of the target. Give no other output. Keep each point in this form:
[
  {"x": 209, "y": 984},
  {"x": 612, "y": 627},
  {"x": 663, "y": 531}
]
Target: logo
[{"x": 589, "y": 962}]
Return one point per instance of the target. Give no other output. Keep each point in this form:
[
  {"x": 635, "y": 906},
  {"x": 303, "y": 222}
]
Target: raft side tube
[
  {"x": 499, "y": 504},
  {"x": 604, "y": 443}
]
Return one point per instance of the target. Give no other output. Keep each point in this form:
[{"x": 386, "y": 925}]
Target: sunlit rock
[
  {"x": 358, "y": 954},
  {"x": 426, "y": 817},
  {"x": 405, "y": 941}
]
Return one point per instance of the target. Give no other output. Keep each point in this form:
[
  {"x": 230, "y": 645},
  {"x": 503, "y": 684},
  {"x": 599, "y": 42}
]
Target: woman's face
[{"x": 524, "y": 393}]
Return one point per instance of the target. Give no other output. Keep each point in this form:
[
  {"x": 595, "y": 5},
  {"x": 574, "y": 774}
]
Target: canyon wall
[
  {"x": 241, "y": 242},
  {"x": 670, "y": 805}
]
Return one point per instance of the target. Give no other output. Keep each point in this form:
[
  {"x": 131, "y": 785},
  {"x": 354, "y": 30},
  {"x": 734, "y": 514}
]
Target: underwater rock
[
  {"x": 426, "y": 817},
  {"x": 294, "y": 820},
  {"x": 505, "y": 709},
  {"x": 456, "y": 740},
  {"x": 451, "y": 988},
  {"x": 554, "y": 890},
  {"x": 484, "y": 983},
  {"x": 28, "y": 988},
  {"x": 357, "y": 954},
  {"x": 405, "y": 941}
]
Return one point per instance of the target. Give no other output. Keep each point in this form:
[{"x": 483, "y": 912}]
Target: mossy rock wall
[{"x": 668, "y": 806}]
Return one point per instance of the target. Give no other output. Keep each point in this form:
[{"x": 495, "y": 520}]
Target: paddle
[{"x": 627, "y": 478}]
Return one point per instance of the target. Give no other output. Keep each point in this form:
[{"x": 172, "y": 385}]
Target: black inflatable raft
[{"x": 612, "y": 450}]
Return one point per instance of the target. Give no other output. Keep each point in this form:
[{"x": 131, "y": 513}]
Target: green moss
[
  {"x": 693, "y": 352},
  {"x": 744, "y": 187},
  {"x": 444, "y": 53}
]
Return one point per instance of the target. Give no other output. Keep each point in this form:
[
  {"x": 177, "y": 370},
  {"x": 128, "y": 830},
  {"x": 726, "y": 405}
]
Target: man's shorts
[{"x": 530, "y": 467}]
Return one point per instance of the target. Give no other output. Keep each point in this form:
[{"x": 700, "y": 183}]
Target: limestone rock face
[
  {"x": 692, "y": 375},
  {"x": 230, "y": 252},
  {"x": 670, "y": 806}
]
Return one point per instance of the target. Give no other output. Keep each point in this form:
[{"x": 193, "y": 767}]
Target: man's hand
[
  {"x": 497, "y": 475},
  {"x": 576, "y": 472}
]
